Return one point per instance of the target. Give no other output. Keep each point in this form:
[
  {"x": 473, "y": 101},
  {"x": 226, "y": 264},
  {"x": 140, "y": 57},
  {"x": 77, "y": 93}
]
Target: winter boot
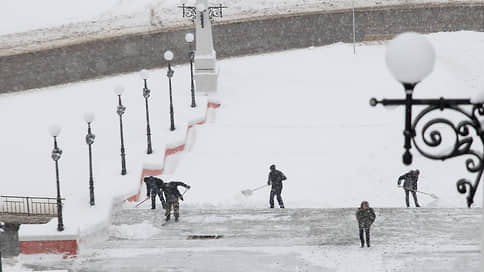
[
  {"x": 282, "y": 206},
  {"x": 176, "y": 219},
  {"x": 167, "y": 218}
]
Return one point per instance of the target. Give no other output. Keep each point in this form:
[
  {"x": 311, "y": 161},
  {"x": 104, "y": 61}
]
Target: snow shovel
[
  {"x": 424, "y": 193},
  {"x": 186, "y": 190},
  {"x": 137, "y": 205},
  {"x": 249, "y": 192}
]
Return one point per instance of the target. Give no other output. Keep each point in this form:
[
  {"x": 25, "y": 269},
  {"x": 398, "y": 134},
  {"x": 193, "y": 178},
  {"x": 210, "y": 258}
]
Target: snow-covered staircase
[{"x": 285, "y": 240}]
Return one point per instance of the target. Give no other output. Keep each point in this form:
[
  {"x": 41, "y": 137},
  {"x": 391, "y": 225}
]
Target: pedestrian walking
[{"x": 365, "y": 216}]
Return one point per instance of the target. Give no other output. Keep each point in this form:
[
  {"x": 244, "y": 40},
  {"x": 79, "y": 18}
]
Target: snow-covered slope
[
  {"x": 307, "y": 111},
  {"x": 304, "y": 110}
]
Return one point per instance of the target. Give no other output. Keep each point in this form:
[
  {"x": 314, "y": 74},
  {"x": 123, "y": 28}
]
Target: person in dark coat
[
  {"x": 365, "y": 216},
  {"x": 172, "y": 196},
  {"x": 410, "y": 180},
  {"x": 275, "y": 179},
  {"x": 153, "y": 188}
]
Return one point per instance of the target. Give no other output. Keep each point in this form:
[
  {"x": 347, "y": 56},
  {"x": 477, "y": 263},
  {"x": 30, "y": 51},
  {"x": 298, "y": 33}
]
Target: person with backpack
[
  {"x": 365, "y": 217},
  {"x": 275, "y": 180}
]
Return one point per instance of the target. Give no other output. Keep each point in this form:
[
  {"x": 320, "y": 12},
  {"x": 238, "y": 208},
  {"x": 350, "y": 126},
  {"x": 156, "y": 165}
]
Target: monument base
[
  {"x": 206, "y": 62},
  {"x": 206, "y": 80}
]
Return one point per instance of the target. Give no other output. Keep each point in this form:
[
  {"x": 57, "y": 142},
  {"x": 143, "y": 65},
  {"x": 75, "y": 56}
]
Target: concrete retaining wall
[
  {"x": 258, "y": 35},
  {"x": 9, "y": 240}
]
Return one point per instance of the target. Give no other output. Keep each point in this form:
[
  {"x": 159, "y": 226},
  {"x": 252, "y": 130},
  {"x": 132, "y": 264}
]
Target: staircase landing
[{"x": 284, "y": 240}]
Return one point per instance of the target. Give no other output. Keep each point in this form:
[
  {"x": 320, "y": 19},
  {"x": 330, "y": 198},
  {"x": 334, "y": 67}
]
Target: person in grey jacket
[
  {"x": 410, "y": 180},
  {"x": 365, "y": 216}
]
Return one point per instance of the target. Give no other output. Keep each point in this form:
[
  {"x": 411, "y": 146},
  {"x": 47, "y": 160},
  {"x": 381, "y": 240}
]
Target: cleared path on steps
[{"x": 283, "y": 240}]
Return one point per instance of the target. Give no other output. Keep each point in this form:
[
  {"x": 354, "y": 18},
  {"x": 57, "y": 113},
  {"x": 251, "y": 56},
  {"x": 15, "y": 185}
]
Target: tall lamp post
[
  {"x": 189, "y": 38},
  {"x": 169, "y": 57},
  {"x": 56, "y": 155},
  {"x": 410, "y": 58},
  {"x": 2, "y": 229},
  {"x": 120, "y": 110},
  {"x": 146, "y": 95},
  {"x": 90, "y": 137}
]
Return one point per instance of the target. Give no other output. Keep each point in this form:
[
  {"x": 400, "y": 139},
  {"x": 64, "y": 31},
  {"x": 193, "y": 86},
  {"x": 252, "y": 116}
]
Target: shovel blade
[{"x": 247, "y": 192}]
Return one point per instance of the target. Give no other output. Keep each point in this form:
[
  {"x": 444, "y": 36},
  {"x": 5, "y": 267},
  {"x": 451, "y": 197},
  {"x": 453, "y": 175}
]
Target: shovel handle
[{"x": 258, "y": 188}]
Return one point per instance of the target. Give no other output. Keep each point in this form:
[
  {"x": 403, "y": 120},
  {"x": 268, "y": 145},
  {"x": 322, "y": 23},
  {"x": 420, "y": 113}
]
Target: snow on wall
[
  {"x": 71, "y": 60},
  {"x": 24, "y": 15}
]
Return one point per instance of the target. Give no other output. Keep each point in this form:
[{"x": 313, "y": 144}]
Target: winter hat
[{"x": 273, "y": 167}]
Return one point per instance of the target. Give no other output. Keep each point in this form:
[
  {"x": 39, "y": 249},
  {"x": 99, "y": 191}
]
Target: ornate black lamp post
[
  {"x": 189, "y": 38},
  {"x": 2, "y": 227},
  {"x": 191, "y": 11},
  {"x": 146, "y": 95},
  {"x": 410, "y": 58},
  {"x": 119, "y": 90},
  {"x": 89, "y": 118},
  {"x": 56, "y": 154},
  {"x": 169, "y": 57}
]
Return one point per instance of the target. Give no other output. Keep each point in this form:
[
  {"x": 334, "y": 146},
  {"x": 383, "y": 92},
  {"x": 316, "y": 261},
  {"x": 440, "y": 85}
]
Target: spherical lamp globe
[
  {"x": 55, "y": 130},
  {"x": 119, "y": 90},
  {"x": 89, "y": 117},
  {"x": 168, "y": 55},
  {"x": 189, "y": 37},
  {"x": 410, "y": 57}
]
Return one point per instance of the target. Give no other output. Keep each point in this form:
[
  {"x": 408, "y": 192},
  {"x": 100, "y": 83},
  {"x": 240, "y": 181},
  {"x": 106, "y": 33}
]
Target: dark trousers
[
  {"x": 276, "y": 192},
  {"x": 153, "y": 199},
  {"x": 362, "y": 238},
  {"x": 407, "y": 200}
]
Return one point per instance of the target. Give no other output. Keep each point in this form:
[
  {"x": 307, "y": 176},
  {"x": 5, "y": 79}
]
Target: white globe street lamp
[
  {"x": 90, "y": 137},
  {"x": 169, "y": 57},
  {"x": 146, "y": 94},
  {"x": 410, "y": 57},
  {"x": 189, "y": 38},
  {"x": 120, "y": 110},
  {"x": 54, "y": 131}
]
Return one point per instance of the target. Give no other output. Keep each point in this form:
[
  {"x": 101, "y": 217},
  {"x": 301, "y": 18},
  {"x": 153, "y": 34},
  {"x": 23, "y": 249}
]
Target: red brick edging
[
  {"x": 168, "y": 152},
  {"x": 65, "y": 247}
]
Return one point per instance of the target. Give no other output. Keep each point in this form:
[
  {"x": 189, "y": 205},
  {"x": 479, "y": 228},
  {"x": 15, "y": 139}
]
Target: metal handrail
[{"x": 30, "y": 206}]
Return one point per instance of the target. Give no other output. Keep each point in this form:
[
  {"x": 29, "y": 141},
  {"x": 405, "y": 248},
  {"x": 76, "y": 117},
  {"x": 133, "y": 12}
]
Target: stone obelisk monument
[{"x": 206, "y": 70}]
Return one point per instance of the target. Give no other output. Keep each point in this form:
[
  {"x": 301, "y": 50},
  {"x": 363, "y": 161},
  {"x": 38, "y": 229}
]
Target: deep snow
[{"x": 305, "y": 110}]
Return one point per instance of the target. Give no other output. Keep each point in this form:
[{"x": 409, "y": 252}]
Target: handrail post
[{"x": 28, "y": 208}]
